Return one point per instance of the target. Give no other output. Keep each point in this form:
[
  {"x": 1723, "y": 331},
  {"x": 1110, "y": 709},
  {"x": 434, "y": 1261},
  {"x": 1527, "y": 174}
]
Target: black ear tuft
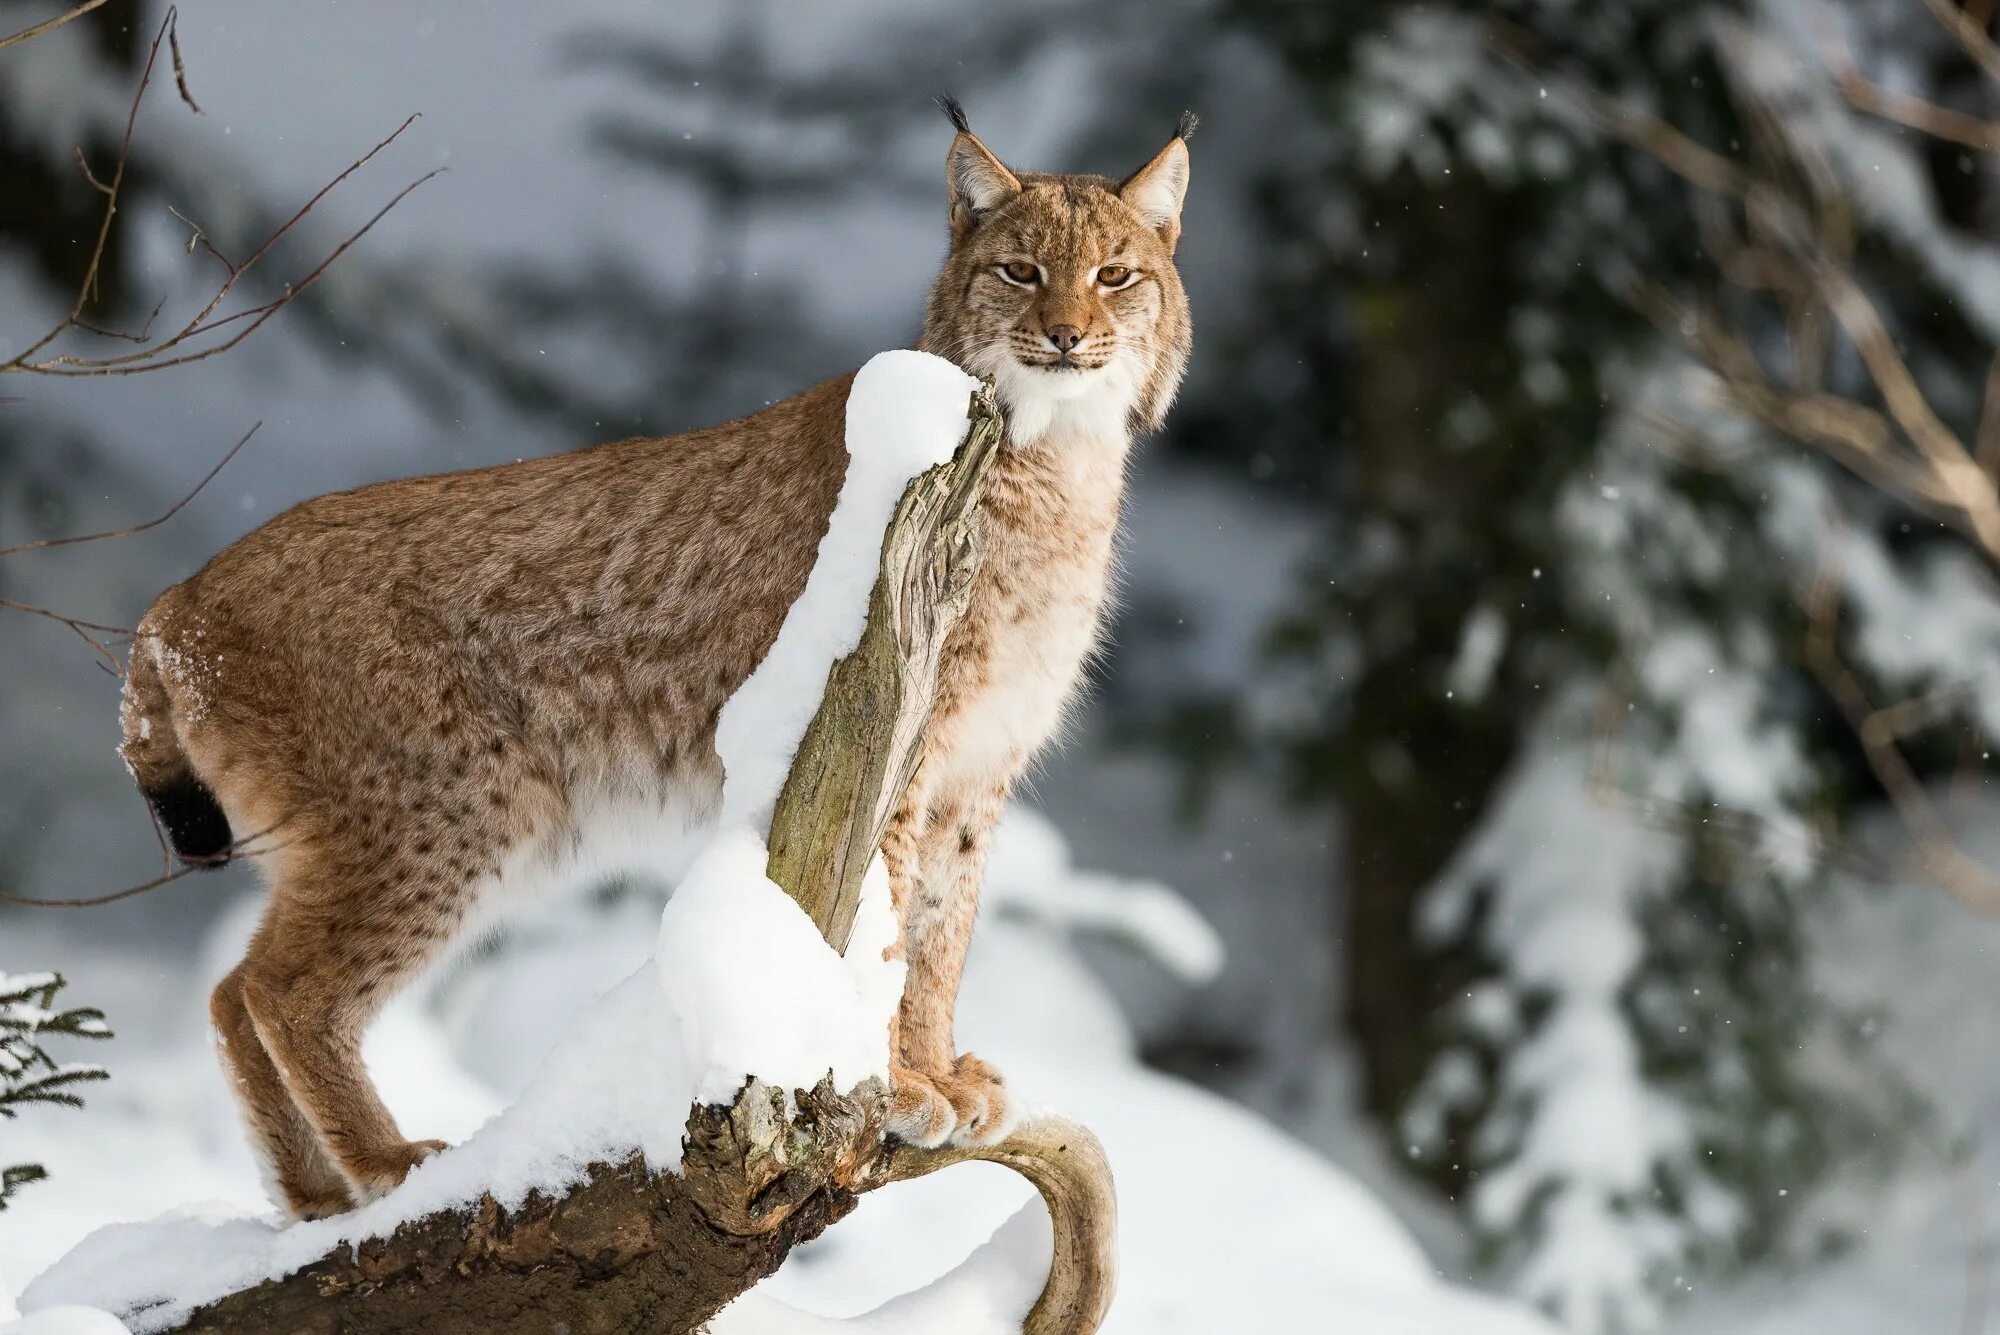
[
  {"x": 1189, "y": 123},
  {"x": 951, "y": 107}
]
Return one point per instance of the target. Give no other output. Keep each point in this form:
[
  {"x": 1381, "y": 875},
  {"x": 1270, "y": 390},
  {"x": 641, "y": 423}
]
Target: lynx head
[{"x": 1063, "y": 288}]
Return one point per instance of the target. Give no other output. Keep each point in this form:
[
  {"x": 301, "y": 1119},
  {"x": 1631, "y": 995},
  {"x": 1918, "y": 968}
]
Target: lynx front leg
[{"x": 940, "y": 1095}]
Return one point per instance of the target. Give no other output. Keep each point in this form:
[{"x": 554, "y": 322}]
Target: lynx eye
[
  {"x": 1021, "y": 273},
  {"x": 1115, "y": 275}
]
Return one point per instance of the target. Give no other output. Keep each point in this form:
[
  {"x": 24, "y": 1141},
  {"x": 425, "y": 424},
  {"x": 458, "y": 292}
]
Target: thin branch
[
  {"x": 1971, "y": 34},
  {"x": 88, "y": 631},
  {"x": 71, "y": 540},
  {"x": 198, "y": 237},
  {"x": 87, "y": 289},
  {"x": 194, "y": 864},
  {"x": 145, "y": 330},
  {"x": 1938, "y": 852},
  {"x": 1958, "y": 476},
  {"x": 139, "y": 364},
  {"x": 1916, "y": 113},
  {"x": 1987, "y": 450},
  {"x": 49, "y": 25},
  {"x": 90, "y": 175},
  {"x": 222, "y": 293},
  {"x": 1855, "y": 435},
  {"x": 83, "y": 629},
  {"x": 1903, "y": 109},
  {"x": 156, "y": 355},
  {"x": 180, "y": 70}
]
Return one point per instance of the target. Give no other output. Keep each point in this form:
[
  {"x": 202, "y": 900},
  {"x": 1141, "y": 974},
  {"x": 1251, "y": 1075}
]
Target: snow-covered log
[{"x": 631, "y": 1248}]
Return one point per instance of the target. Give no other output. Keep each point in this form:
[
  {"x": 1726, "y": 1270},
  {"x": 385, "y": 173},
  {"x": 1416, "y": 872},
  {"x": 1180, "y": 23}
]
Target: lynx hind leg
[
  {"x": 302, "y": 1179},
  {"x": 939, "y": 1094},
  {"x": 335, "y": 948}
]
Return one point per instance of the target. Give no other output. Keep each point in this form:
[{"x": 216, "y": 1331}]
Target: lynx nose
[{"x": 1065, "y": 337}]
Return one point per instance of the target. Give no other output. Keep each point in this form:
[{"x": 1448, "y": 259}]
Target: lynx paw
[
  {"x": 969, "y": 1106},
  {"x": 382, "y": 1171},
  {"x": 303, "y": 1206}
]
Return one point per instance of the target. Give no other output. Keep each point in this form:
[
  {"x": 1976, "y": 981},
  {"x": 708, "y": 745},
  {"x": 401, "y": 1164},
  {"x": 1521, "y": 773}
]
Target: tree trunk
[
  {"x": 1419, "y": 767},
  {"x": 632, "y": 1251}
]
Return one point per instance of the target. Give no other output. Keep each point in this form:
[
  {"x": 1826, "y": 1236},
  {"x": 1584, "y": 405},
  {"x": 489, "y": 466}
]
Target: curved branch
[{"x": 1067, "y": 1165}]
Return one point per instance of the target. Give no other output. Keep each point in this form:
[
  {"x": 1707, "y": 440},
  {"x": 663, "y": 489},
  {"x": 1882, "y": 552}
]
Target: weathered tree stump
[{"x": 631, "y": 1251}]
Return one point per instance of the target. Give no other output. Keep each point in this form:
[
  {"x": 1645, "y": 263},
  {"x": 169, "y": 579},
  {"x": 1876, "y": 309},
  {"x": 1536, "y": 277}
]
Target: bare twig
[
  {"x": 90, "y": 175},
  {"x": 1987, "y": 452},
  {"x": 1916, "y": 113},
  {"x": 131, "y": 529},
  {"x": 145, "y": 330},
  {"x": 83, "y": 630},
  {"x": 49, "y": 25},
  {"x": 89, "y": 630},
  {"x": 1971, "y": 34},
  {"x": 1879, "y": 731},
  {"x": 241, "y": 846},
  {"x": 180, "y": 70},
  {"x": 1903, "y": 109},
  {"x": 179, "y": 348}
]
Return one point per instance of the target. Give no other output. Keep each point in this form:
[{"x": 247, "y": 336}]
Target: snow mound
[
  {"x": 989, "y": 1293},
  {"x": 755, "y": 987},
  {"x": 906, "y": 412},
  {"x": 65, "y": 1321}
]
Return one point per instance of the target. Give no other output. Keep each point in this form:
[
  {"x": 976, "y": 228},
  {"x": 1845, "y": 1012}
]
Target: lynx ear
[
  {"x": 979, "y": 183},
  {"x": 1157, "y": 189}
]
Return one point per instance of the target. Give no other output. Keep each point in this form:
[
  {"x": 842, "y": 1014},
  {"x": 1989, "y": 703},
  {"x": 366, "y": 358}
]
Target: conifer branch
[{"x": 28, "y": 1074}]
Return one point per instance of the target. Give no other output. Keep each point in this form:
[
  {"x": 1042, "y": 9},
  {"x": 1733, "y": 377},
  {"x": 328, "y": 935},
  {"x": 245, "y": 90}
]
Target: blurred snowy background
[{"x": 1561, "y": 928}]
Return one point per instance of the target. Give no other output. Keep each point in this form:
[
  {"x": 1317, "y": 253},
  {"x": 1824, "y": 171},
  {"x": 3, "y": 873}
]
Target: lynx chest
[{"x": 1015, "y": 661}]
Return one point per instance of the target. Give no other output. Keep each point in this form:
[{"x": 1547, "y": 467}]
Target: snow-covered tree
[
  {"x": 28, "y": 1074},
  {"x": 1552, "y": 663}
]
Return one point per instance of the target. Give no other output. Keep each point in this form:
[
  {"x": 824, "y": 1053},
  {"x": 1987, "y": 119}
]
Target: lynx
[{"x": 437, "y": 693}]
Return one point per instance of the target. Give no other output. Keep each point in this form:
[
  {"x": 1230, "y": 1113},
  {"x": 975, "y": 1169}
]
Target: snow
[
  {"x": 1274, "y": 1239},
  {"x": 1919, "y": 967},
  {"x": 1029, "y": 874},
  {"x": 1578, "y": 1072},
  {"x": 906, "y": 412},
  {"x": 755, "y": 987},
  {"x": 64, "y": 1321},
  {"x": 989, "y": 1293},
  {"x": 1188, "y": 1264}
]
